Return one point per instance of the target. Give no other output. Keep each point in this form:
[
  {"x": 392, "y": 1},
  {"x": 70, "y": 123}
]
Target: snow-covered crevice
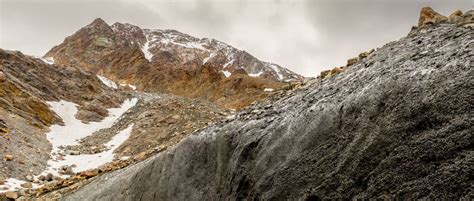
[
  {"x": 107, "y": 82},
  {"x": 146, "y": 48}
]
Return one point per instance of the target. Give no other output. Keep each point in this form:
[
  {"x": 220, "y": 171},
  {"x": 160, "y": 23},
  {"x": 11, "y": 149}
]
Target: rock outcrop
[
  {"x": 395, "y": 125},
  {"x": 429, "y": 17}
]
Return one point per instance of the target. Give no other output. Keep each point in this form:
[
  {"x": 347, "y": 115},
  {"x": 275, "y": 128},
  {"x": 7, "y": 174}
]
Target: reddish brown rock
[
  {"x": 8, "y": 157},
  {"x": 430, "y": 17},
  {"x": 352, "y": 61},
  {"x": 456, "y": 16}
]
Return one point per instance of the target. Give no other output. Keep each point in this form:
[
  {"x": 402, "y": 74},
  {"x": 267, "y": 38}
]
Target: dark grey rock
[{"x": 395, "y": 125}]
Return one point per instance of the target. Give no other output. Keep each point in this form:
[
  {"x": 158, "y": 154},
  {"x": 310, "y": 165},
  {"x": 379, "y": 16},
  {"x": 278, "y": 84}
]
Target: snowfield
[{"x": 74, "y": 130}]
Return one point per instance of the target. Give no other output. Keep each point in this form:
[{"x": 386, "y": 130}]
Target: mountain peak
[{"x": 99, "y": 23}]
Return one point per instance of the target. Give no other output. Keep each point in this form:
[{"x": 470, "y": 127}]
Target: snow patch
[
  {"x": 74, "y": 129},
  {"x": 89, "y": 161},
  {"x": 255, "y": 74},
  {"x": 227, "y": 73},
  {"x": 207, "y": 58},
  {"x": 268, "y": 90},
  {"x": 107, "y": 82},
  {"x": 146, "y": 49},
  {"x": 48, "y": 60},
  {"x": 228, "y": 63},
  {"x": 129, "y": 85},
  {"x": 277, "y": 70}
]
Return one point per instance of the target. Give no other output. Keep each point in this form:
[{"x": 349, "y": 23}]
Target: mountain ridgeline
[{"x": 171, "y": 61}]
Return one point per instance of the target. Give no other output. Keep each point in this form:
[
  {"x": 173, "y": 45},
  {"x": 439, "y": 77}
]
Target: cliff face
[
  {"x": 397, "y": 123},
  {"x": 171, "y": 61}
]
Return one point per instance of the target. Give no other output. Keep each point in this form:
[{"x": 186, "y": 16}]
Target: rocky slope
[
  {"x": 26, "y": 83},
  {"x": 397, "y": 124},
  {"x": 170, "y": 61}
]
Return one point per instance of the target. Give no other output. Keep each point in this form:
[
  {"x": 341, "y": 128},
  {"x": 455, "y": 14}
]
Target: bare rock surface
[{"x": 396, "y": 124}]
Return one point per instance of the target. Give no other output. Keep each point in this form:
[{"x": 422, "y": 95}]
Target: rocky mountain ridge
[{"x": 170, "y": 61}]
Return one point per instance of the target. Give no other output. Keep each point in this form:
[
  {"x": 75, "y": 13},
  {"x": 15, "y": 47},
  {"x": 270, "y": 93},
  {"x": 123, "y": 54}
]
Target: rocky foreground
[{"x": 395, "y": 124}]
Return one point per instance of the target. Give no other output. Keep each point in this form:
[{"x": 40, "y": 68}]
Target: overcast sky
[{"x": 306, "y": 36}]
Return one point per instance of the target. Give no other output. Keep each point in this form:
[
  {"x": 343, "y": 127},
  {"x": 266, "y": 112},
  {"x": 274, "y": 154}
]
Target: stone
[
  {"x": 352, "y": 61},
  {"x": 430, "y": 17},
  {"x": 336, "y": 71},
  {"x": 11, "y": 194},
  {"x": 48, "y": 177},
  {"x": 325, "y": 73},
  {"x": 29, "y": 178},
  {"x": 74, "y": 152},
  {"x": 456, "y": 16},
  {"x": 90, "y": 173},
  {"x": 3, "y": 77},
  {"x": 27, "y": 185},
  {"x": 8, "y": 157}
]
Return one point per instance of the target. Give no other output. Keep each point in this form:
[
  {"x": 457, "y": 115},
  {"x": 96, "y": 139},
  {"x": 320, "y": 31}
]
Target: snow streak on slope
[
  {"x": 107, "y": 82},
  {"x": 146, "y": 49}
]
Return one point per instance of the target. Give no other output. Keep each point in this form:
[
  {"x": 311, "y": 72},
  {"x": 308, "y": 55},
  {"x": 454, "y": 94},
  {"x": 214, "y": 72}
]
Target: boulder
[
  {"x": 11, "y": 195},
  {"x": 467, "y": 18},
  {"x": 456, "y": 16},
  {"x": 336, "y": 71},
  {"x": 27, "y": 185},
  {"x": 352, "y": 61},
  {"x": 325, "y": 73},
  {"x": 8, "y": 157},
  {"x": 2, "y": 77},
  {"x": 430, "y": 17}
]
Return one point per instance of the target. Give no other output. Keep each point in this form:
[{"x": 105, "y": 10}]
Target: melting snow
[
  {"x": 255, "y": 74},
  {"x": 227, "y": 73},
  {"x": 228, "y": 63},
  {"x": 12, "y": 184},
  {"x": 207, "y": 58},
  {"x": 107, "y": 82},
  {"x": 88, "y": 161},
  {"x": 268, "y": 90},
  {"x": 146, "y": 49},
  {"x": 129, "y": 85},
  {"x": 48, "y": 60},
  {"x": 74, "y": 130},
  {"x": 277, "y": 70}
]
